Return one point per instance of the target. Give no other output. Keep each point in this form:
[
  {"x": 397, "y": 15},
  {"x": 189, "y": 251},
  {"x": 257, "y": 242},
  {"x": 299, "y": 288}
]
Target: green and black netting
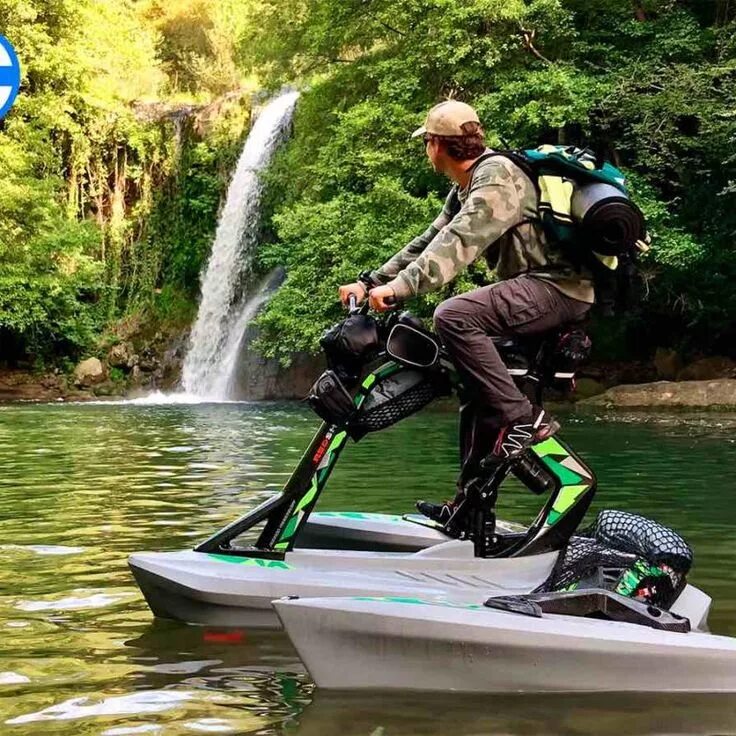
[{"x": 627, "y": 553}]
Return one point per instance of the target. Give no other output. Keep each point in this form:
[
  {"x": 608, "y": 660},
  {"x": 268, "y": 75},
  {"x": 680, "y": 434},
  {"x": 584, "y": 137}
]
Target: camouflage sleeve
[
  {"x": 491, "y": 208},
  {"x": 409, "y": 253}
]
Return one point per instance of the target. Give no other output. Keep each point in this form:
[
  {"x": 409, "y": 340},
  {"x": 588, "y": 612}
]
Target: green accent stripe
[
  {"x": 549, "y": 447},
  {"x": 307, "y": 497},
  {"x": 358, "y": 515},
  {"x": 567, "y": 477},
  {"x": 337, "y": 440},
  {"x": 388, "y": 369},
  {"x": 565, "y": 501},
  {"x": 317, "y": 479},
  {"x": 417, "y": 602},
  {"x": 290, "y": 527},
  {"x": 251, "y": 561}
]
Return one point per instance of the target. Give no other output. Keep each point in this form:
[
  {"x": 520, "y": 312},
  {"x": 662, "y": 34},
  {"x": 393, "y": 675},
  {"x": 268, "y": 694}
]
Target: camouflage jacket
[{"x": 497, "y": 218}]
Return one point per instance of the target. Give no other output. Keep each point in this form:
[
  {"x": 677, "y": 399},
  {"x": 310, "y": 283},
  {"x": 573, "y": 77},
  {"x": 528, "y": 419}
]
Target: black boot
[
  {"x": 440, "y": 512},
  {"x": 516, "y": 437}
]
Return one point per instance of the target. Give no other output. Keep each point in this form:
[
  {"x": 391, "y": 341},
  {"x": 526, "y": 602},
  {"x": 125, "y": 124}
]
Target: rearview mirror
[{"x": 412, "y": 347}]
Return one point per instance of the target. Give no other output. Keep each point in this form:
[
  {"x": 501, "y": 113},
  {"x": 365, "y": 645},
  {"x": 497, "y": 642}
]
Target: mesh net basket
[
  {"x": 394, "y": 399},
  {"x": 627, "y": 553},
  {"x": 644, "y": 538}
]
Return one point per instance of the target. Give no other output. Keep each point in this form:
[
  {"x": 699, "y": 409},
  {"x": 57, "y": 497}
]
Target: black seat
[{"x": 549, "y": 359}]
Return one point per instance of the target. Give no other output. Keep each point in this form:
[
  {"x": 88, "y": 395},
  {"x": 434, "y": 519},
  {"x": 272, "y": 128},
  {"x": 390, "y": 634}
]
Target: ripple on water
[
  {"x": 74, "y": 603},
  {"x": 151, "y": 701},
  {"x": 43, "y": 549},
  {"x": 13, "y": 678},
  {"x": 78, "y": 629}
]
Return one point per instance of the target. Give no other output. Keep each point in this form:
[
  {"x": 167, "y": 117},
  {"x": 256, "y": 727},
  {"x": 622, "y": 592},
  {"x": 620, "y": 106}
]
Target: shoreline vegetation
[
  {"x": 118, "y": 152},
  {"x": 708, "y": 383}
]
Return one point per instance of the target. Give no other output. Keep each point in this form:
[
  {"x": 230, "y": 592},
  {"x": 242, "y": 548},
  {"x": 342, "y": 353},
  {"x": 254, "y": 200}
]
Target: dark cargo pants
[{"x": 521, "y": 306}]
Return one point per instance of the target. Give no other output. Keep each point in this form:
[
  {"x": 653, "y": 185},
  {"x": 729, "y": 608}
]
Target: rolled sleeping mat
[{"x": 609, "y": 221}]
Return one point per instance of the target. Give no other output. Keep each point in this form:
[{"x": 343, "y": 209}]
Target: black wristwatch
[{"x": 365, "y": 278}]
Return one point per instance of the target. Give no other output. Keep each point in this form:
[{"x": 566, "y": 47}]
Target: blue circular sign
[{"x": 9, "y": 75}]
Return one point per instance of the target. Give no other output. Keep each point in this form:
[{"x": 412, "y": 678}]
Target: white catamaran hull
[
  {"x": 228, "y": 590},
  {"x": 410, "y": 644}
]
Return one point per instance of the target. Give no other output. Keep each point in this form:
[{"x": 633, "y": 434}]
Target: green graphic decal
[
  {"x": 369, "y": 381},
  {"x": 338, "y": 439},
  {"x": 388, "y": 369},
  {"x": 566, "y": 500},
  {"x": 632, "y": 578},
  {"x": 309, "y": 495},
  {"x": 318, "y": 480},
  {"x": 290, "y": 527},
  {"x": 549, "y": 447},
  {"x": 574, "y": 478},
  {"x": 567, "y": 477},
  {"x": 322, "y": 472},
  {"x": 255, "y": 561},
  {"x": 357, "y": 515},
  {"x": 418, "y": 602}
]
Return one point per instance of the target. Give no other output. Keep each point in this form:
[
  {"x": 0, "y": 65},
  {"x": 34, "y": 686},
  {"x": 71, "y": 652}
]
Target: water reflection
[
  {"x": 521, "y": 715},
  {"x": 83, "y": 486}
]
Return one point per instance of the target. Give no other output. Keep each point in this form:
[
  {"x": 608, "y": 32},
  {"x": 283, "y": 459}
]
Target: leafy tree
[
  {"x": 649, "y": 84},
  {"x": 88, "y": 151}
]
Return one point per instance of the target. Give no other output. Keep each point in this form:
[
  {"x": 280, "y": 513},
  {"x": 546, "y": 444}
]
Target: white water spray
[{"x": 214, "y": 344}]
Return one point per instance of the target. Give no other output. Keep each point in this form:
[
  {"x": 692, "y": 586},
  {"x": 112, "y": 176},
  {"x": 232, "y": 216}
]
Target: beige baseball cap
[{"x": 447, "y": 118}]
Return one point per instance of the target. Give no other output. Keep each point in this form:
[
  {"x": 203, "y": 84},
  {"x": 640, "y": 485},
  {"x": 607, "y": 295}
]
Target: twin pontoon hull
[
  {"x": 417, "y": 644},
  {"x": 228, "y": 590}
]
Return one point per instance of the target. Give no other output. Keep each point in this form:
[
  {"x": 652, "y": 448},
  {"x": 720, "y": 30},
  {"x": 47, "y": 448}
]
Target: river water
[{"x": 82, "y": 486}]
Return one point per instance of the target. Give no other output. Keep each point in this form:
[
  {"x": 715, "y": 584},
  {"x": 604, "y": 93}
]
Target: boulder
[
  {"x": 708, "y": 369},
  {"x": 89, "y": 372},
  {"x": 121, "y": 356},
  {"x": 106, "y": 388},
  {"x": 667, "y": 363},
  {"x": 586, "y": 387},
  {"x": 148, "y": 360},
  {"x": 718, "y": 394}
]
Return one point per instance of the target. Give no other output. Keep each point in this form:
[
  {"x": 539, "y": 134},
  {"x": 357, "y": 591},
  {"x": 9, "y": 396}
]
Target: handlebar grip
[{"x": 391, "y": 301}]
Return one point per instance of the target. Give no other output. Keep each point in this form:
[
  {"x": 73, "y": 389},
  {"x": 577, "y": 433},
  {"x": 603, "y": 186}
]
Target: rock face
[
  {"x": 668, "y": 364},
  {"x": 122, "y": 356},
  {"x": 587, "y": 387},
  {"x": 717, "y": 394},
  {"x": 258, "y": 378},
  {"x": 262, "y": 378},
  {"x": 708, "y": 369},
  {"x": 89, "y": 372}
]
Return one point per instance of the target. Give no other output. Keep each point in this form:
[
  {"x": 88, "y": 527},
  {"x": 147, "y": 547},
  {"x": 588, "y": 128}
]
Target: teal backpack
[{"x": 585, "y": 210}]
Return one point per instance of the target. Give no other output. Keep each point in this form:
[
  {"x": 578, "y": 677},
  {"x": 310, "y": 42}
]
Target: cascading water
[{"x": 223, "y": 310}]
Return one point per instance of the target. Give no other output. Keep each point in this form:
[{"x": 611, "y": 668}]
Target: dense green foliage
[
  {"x": 113, "y": 162},
  {"x": 131, "y": 113},
  {"x": 651, "y": 84}
]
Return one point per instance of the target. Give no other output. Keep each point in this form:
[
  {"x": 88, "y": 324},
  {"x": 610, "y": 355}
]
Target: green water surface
[{"x": 83, "y": 486}]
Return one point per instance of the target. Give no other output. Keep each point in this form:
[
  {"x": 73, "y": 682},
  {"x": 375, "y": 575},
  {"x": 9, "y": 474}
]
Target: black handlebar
[{"x": 354, "y": 307}]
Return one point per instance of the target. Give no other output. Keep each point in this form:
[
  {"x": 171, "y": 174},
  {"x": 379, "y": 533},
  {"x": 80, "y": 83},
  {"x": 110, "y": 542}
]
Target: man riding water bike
[{"x": 491, "y": 211}]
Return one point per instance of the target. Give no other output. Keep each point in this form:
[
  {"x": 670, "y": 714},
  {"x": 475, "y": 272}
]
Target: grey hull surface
[
  {"x": 368, "y": 532},
  {"x": 203, "y": 588},
  {"x": 430, "y": 645},
  {"x": 357, "y": 530},
  {"x": 350, "y": 553}
]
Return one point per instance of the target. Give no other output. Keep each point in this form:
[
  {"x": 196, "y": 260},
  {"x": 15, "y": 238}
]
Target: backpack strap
[{"x": 515, "y": 157}]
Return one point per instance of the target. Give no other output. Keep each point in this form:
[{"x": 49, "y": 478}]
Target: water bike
[{"x": 334, "y": 575}]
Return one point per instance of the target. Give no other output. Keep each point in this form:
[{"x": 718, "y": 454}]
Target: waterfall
[{"x": 226, "y": 307}]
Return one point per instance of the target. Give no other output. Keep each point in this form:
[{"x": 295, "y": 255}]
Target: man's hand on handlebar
[
  {"x": 382, "y": 298},
  {"x": 357, "y": 290}
]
